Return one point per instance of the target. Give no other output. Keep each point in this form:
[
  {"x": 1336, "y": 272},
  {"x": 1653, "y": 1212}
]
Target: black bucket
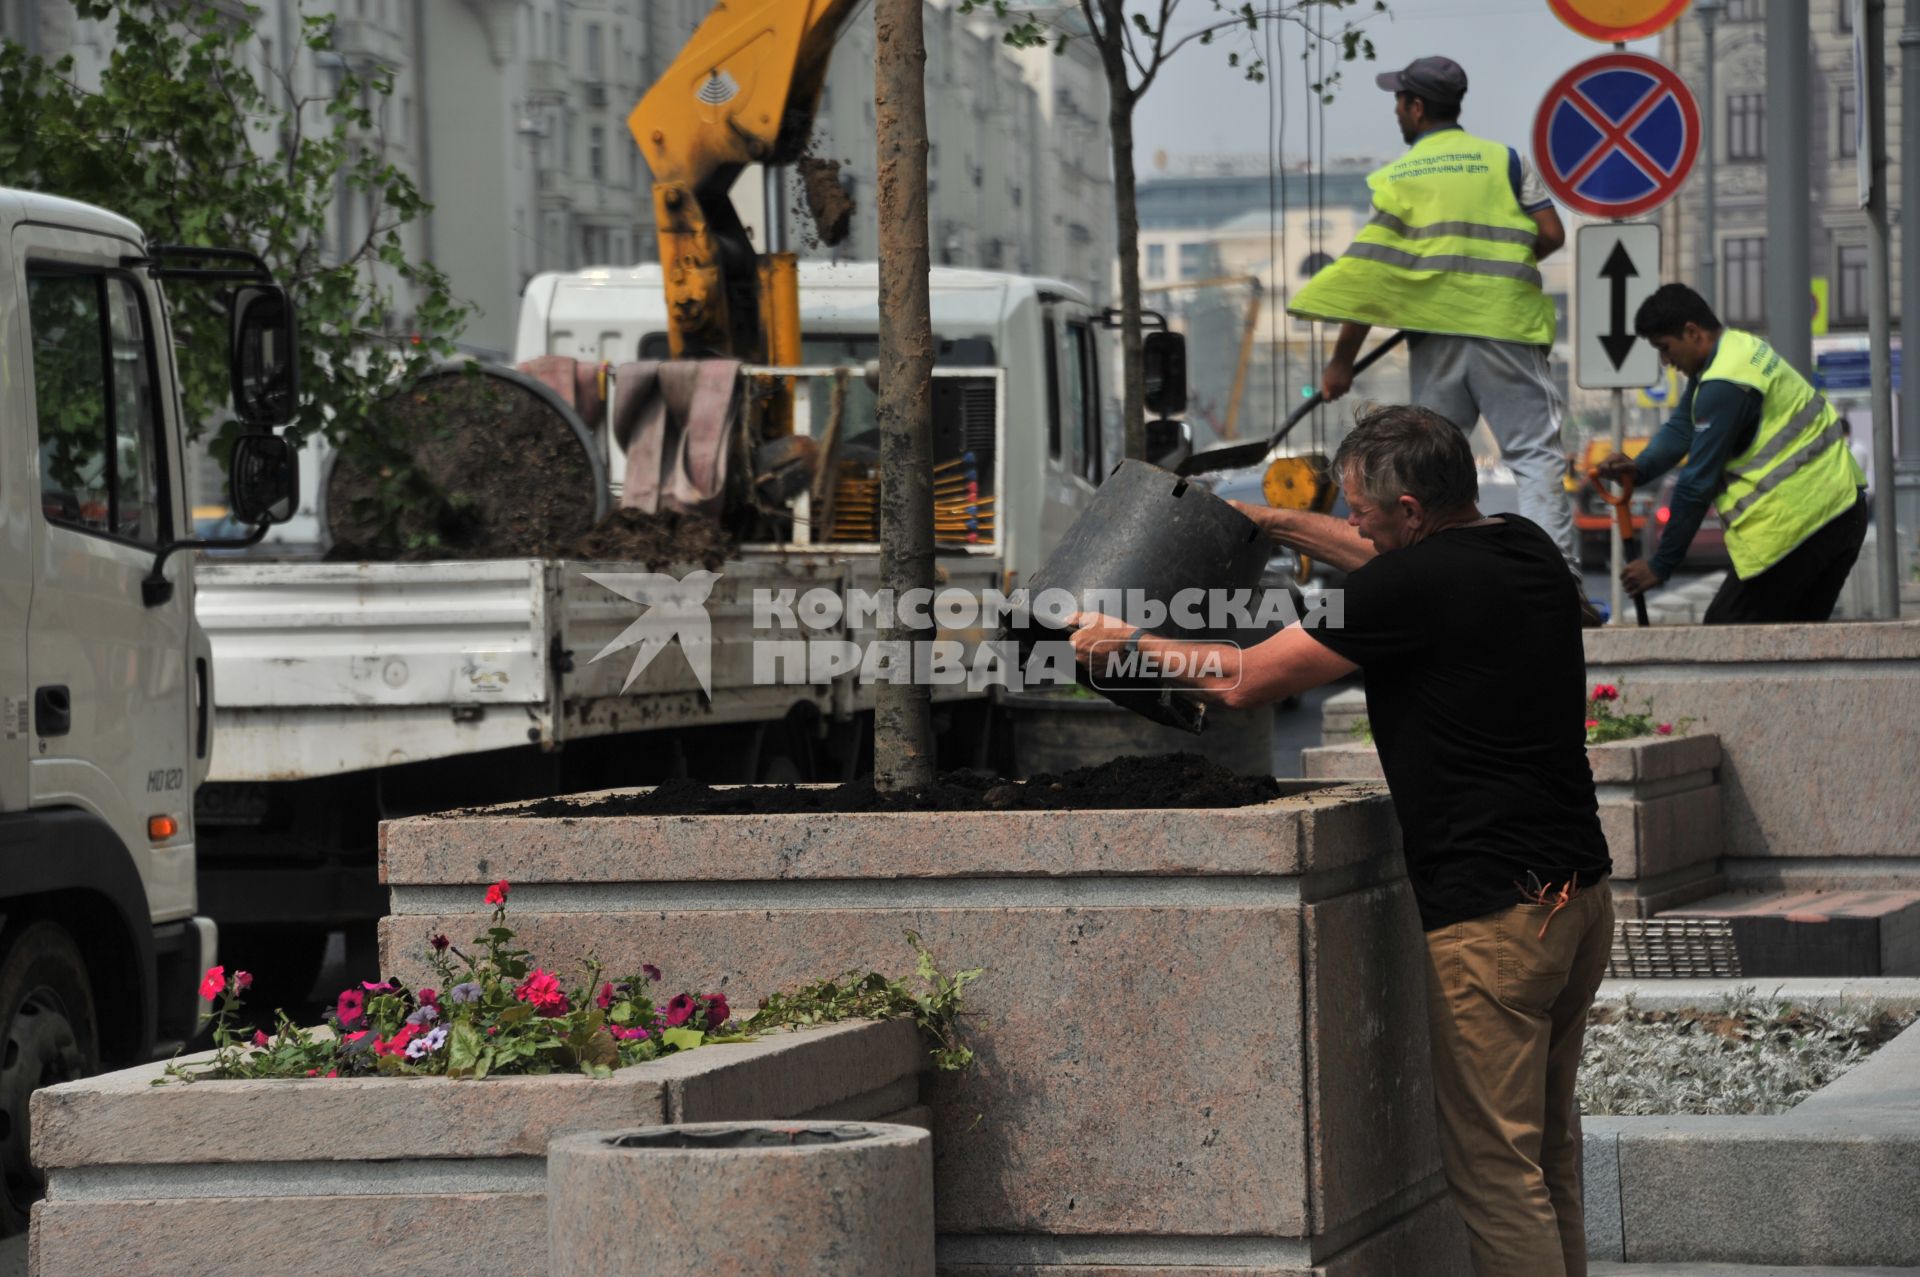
[{"x": 1151, "y": 531}]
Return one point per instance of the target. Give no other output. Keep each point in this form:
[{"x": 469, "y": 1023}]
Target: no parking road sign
[{"x": 1616, "y": 135}]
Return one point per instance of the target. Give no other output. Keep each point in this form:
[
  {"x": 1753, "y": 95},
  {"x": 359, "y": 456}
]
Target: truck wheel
[{"x": 47, "y": 1035}]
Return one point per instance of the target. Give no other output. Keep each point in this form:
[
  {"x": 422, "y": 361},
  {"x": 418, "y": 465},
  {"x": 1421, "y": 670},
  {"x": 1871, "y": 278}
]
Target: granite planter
[
  {"x": 1659, "y": 808},
  {"x": 801, "y": 1199},
  {"x": 1816, "y": 728},
  {"x": 400, "y": 1176},
  {"x": 1201, "y": 1034}
]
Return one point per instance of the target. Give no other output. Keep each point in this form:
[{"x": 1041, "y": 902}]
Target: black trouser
[{"x": 1804, "y": 586}]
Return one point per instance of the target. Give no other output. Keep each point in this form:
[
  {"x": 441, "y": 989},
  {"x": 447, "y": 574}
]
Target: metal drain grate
[{"x": 1673, "y": 949}]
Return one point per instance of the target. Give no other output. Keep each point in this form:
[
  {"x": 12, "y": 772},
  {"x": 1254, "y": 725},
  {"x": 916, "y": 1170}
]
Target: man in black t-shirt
[{"x": 1468, "y": 630}]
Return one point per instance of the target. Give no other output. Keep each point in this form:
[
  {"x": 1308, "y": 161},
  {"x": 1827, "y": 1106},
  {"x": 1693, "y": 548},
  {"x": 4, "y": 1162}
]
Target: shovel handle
[{"x": 1623, "y": 520}]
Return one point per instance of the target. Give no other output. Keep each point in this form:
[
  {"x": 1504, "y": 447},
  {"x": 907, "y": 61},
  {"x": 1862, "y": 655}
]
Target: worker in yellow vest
[
  {"x": 1767, "y": 451},
  {"x": 1453, "y": 249}
]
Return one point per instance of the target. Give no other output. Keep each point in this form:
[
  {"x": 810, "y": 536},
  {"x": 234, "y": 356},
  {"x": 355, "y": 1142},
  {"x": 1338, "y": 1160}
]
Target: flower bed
[{"x": 1746, "y": 1055}]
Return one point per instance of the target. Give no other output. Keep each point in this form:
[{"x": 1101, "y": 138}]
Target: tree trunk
[
  {"x": 902, "y": 720},
  {"x": 1113, "y": 60}
]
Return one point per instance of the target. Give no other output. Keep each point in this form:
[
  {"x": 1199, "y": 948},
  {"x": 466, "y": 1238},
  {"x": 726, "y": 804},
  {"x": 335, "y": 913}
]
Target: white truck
[
  {"x": 351, "y": 692},
  {"x": 105, "y": 678}
]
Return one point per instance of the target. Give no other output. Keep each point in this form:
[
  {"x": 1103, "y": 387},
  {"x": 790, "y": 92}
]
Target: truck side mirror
[
  {"x": 261, "y": 355},
  {"x": 265, "y": 479},
  {"x": 1163, "y": 360},
  {"x": 1169, "y": 443}
]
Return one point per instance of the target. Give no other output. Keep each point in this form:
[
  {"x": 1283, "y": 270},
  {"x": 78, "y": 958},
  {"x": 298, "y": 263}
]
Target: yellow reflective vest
[
  {"x": 1797, "y": 475},
  {"x": 1448, "y": 250}
]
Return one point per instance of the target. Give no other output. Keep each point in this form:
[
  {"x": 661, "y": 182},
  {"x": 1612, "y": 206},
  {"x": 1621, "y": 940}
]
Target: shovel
[
  {"x": 1623, "y": 519},
  {"x": 1236, "y": 455}
]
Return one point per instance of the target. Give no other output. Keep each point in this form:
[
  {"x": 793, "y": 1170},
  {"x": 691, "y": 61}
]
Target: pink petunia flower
[
  {"x": 351, "y": 1006},
  {"x": 497, "y": 893},
  {"x": 1592, "y": 723},
  {"x": 213, "y": 983},
  {"x": 243, "y": 980},
  {"x": 1665, "y": 729},
  {"x": 679, "y": 1010},
  {"x": 604, "y": 998},
  {"x": 544, "y": 992},
  {"x": 717, "y": 1009},
  {"x": 260, "y": 1038},
  {"x": 650, "y": 971}
]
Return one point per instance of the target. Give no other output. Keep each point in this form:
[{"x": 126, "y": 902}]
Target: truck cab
[{"x": 105, "y": 677}]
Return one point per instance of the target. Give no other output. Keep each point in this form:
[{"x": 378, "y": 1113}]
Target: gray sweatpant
[{"x": 1466, "y": 378}]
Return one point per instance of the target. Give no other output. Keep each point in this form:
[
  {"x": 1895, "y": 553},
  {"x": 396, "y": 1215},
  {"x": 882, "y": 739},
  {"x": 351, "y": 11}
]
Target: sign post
[{"x": 1615, "y": 137}]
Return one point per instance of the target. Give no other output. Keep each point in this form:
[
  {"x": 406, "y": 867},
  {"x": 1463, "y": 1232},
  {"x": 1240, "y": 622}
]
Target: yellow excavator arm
[{"x": 743, "y": 91}]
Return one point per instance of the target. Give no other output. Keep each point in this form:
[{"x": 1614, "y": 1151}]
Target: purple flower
[
  {"x": 379, "y": 987},
  {"x": 468, "y": 992},
  {"x": 425, "y": 1045},
  {"x": 650, "y": 971},
  {"x": 426, "y": 1015}
]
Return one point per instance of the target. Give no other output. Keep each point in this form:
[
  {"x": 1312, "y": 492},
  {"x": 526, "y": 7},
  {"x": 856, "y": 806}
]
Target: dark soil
[
  {"x": 1168, "y": 780},
  {"x": 827, "y": 200},
  {"x": 657, "y": 540},
  {"x": 481, "y": 468}
]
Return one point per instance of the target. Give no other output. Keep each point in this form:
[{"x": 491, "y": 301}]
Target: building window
[
  {"x": 1843, "y": 17},
  {"x": 1745, "y": 282},
  {"x": 1850, "y": 297},
  {"x": 1156, "y": 261},
  {"x": 1747, "y": 126},
  {"x": 1195, "y": 260},
  {"x": 594, "y": 68},
  {"x": 1745, "y": 10},
  {"x": 1848, "y": 141},
  {"x": 597, "y": 153}
]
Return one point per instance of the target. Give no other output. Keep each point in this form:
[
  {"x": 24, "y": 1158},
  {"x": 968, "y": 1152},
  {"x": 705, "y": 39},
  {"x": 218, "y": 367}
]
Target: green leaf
[{"x": 682, "y": 1039}]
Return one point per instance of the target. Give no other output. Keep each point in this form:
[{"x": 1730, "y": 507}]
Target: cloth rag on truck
[{"x": 676, "y": 421}]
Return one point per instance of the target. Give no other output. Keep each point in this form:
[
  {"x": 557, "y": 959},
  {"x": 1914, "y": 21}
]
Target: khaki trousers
[{"x": 1506, "y": 1011}]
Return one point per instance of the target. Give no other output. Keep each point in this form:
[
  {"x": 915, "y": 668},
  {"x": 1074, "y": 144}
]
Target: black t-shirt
[{"x": 1476, "y": 694}]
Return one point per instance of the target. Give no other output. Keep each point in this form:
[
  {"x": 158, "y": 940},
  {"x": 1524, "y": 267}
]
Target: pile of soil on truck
[
  {"x": 656, "y": 540},
  {"x": 482, "y": 468},
  {"x": 1163, "y": 781}
]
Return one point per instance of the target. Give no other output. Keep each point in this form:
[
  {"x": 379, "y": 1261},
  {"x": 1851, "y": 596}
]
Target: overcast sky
[{"x": 1513, "y": 50}]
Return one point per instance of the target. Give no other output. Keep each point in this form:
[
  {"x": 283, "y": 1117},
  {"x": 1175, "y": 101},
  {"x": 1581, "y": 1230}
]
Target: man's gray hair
[{"x": 1405, "y": 449}]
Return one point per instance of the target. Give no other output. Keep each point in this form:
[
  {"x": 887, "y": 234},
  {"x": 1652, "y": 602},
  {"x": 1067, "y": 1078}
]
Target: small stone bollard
[{"x": 757, "y": 1199}]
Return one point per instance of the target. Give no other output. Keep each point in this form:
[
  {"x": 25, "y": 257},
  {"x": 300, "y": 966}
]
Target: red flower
[
  {"x": 333, "y": 1072},
  {"x": 355, "y": 1037},
  {"x": 650, "y": 971},
  {"x": 1605, "y": 692},
  {"x": 1592, "y": 723},
  {"x": 428, "y": 998},
  {"x": 678, "y": 1010},
  {"x": 605, "y": 997},
  {"x": 1665, "y": 729},
  {"x": 497, "y": 893},
  {"x": 439, "y": 944},
  {"x": 717, "y": 1009},
  {"x": 397, "y": 1044},
  {"x": 544, "y": 992},
  {"x": 260, "y": 1037},
  {"x": 213, "y": 983},
  {"x": 351, "y": 1006},
  {"x": 313, "y": 1072},
  {"x": 243, "y": 980}
]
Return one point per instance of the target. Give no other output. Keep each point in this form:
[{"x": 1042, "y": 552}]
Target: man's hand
[
  {"x": 1638, "y": 577},
  {"x": 1263, "y": 516},
  {"x": 1093, "y": 628},
  {"x": 1336, "y": 379},
  {"x": 1617, "y": 467}
]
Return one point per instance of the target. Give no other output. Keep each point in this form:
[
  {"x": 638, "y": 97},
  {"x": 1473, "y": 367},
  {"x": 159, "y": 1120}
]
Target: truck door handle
[
  {"x": 52, "y": 710},
  {"x": 203, "y": 708}
]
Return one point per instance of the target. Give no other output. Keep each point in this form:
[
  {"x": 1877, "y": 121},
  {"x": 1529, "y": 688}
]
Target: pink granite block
[
  {"x": 394, "y": 1234},
  {"x": 1140, "y": 1069},
  {"x": 478, "y": 849}
]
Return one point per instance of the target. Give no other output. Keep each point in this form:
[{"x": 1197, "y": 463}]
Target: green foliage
[
  {"x": 936, "y": 1007},
  {"x": 183, "y": 139},
  {"x": 1605, "y": 723},
  {"x": 1361, "y": 731}
]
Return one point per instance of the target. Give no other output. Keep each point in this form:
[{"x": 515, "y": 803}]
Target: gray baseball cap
[{"x": 1435, "y": 79}]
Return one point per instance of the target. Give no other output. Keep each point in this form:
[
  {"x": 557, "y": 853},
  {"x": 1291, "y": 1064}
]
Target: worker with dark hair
[
  {"x": 1766, "y": 451},
  {"x": 1452, "y": 251},
  {"x": 1468, "y": 630}
]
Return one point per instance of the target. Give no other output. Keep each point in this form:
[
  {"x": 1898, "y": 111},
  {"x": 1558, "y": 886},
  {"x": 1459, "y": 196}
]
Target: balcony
[{"x": 546, "y": 79}]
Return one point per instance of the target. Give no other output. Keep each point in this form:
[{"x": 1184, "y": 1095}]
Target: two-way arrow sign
[{"x": 1617, "y": 265}]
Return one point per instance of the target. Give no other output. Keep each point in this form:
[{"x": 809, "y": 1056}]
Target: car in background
[{"x": 1707, "y": 550}]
